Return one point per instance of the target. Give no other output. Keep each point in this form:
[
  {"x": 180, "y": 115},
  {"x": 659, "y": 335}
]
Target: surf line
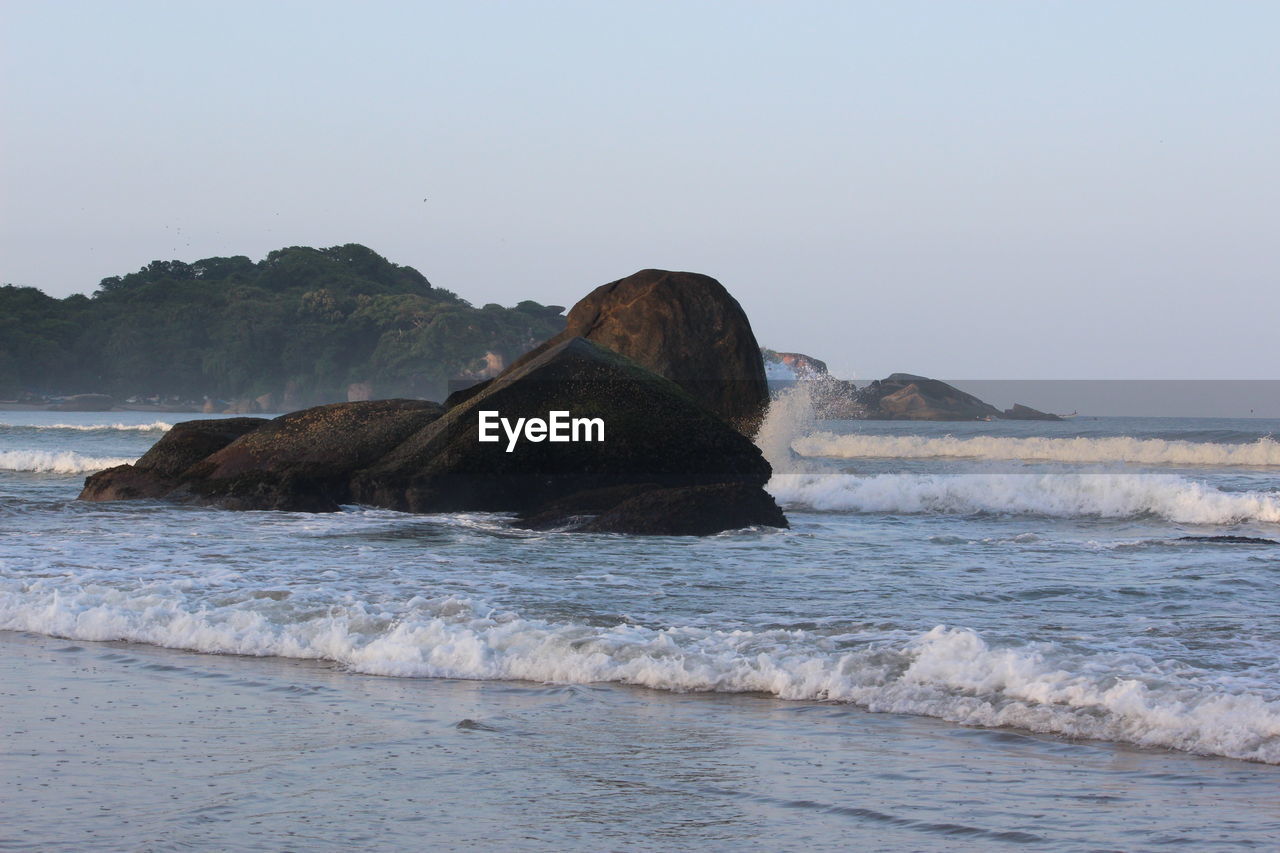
[{"x": 558, "y": 426}]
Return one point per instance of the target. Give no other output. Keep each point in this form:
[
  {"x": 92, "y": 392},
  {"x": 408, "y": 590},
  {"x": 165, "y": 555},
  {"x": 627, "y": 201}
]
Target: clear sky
[{"x": 961, "y": 189}]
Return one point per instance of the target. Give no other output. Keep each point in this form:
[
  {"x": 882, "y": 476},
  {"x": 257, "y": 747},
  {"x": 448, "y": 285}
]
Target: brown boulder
[
  {"x": 302, "y": 461},
  {"x": 159, "y": 469},
  {"x": 683, "y": 326}
]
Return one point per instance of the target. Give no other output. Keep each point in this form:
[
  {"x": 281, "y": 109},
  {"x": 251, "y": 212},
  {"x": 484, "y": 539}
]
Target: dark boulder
[
  {"x": 691, "y": 511},
  {"x": 303, "y": 461},
  {"x": 159, "y": 469},
  {"x": 578, "y": 508},
  {"x": 125, "y": 483},
  {"x": 683, "y": 326},
  {"x": 190, "y": 441},
  {"x": 655, "y": 434},
  {"x": 1230, "y": 540}
]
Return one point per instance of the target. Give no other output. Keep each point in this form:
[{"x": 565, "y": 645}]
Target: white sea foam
[
  {"x": 1261, "y": 453},
  {"x": 791, "y": 414},
  {"x": 1168, "y": 496},
  {"x": 950, "y": 673},
  {"x": 57, "y": 461},
  {"x": 154, "y": 426}
]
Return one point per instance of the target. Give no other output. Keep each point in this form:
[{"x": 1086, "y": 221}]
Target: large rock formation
[
  {"x": 655, "y": 435},
  {"x": 683, "y": 326},
  {"x": 666, "y": 465},
  {"x": 665, "y": 451}
]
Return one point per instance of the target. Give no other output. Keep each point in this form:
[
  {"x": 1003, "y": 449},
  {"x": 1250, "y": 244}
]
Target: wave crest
[
  {"x": 947, "y": 672},
  {"x": 1264, "y": 452},
  {"x": 57, "y": 461},
  {"x": 1169, "y": 496},
  {"x": 154, "y": 426}
]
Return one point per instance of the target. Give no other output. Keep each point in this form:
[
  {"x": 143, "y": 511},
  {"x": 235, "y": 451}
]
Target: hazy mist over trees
[{"x": 304, "y": 322}]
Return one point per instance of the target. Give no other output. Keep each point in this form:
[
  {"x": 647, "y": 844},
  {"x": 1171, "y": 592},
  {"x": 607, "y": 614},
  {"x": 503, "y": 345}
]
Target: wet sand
[{"x": 117, "y": 746}]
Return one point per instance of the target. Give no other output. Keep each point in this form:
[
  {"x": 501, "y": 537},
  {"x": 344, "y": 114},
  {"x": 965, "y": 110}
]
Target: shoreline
[{"x": 119, "y": 745}]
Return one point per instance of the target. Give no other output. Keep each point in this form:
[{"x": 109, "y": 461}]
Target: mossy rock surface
[
  {"x": 160, "y": 469},
  {"x": 304, "y": 460}
]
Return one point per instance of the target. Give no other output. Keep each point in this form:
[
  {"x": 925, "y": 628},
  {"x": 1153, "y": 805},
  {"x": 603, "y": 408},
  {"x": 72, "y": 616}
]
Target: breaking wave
[
  {"x": 1261, "y": 453},
  {"x": 155, "y": 426},
  {"x": 57, "y": 461},
  {"x": 949, "y": 673},
  {"x": 1168, "y": 496}
]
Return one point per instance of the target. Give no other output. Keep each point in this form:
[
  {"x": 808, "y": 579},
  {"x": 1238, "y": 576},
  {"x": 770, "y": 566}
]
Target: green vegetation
[{"x": 302, "y": 324}]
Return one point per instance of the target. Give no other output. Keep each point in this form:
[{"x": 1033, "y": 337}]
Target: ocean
[{"x": 974, "y": 635}]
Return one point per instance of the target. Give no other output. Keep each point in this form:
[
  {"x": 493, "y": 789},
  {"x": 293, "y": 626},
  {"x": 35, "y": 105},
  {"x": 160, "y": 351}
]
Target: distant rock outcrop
[
  {"x": 792, "y": 365},
  {"x": 1020, "y": 412},
  {"x": 903, "y": 396},
  {"x": 84, "y": 403},
  {"x": 907, "y": 397},
  {"x": 683, "y": 326}
]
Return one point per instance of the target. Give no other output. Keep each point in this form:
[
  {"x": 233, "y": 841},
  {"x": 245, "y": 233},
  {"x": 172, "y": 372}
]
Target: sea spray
[{"x": 790, "y": 416}]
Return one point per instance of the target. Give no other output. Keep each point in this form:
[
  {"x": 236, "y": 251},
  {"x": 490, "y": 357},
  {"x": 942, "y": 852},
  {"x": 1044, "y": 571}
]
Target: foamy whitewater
[
  {"x": 1264, "y": 452},
  {"x": 1022, "y": 575}
]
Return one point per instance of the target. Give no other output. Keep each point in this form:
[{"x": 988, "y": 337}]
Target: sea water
[{"x": 954, "y": 602}]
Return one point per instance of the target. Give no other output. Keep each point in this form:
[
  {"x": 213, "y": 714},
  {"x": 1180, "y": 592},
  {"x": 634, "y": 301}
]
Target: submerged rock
[
  {"x": 655, "y": 436},
  {"x": 682, "y": 326}
]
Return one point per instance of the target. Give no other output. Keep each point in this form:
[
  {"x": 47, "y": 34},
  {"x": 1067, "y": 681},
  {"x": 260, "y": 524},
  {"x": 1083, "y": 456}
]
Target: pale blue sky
[{"x": 984, "y": 190}]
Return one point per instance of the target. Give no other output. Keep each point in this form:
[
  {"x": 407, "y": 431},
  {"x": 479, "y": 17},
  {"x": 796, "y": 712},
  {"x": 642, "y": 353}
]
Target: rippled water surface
[{"x": 1015, "y": 599}]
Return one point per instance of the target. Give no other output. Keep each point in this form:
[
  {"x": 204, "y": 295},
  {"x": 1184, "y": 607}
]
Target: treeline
[{"x": 302, "y": 323}]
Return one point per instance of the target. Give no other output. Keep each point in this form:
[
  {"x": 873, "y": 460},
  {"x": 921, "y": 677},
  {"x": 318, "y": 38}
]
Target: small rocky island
[
  {"x": 897, "y": 397},
  {"x": 667, "y": 360}
]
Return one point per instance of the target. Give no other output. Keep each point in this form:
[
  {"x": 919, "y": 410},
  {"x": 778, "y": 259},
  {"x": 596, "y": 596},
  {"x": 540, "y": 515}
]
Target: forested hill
[{"x": 302, "y": 324}]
